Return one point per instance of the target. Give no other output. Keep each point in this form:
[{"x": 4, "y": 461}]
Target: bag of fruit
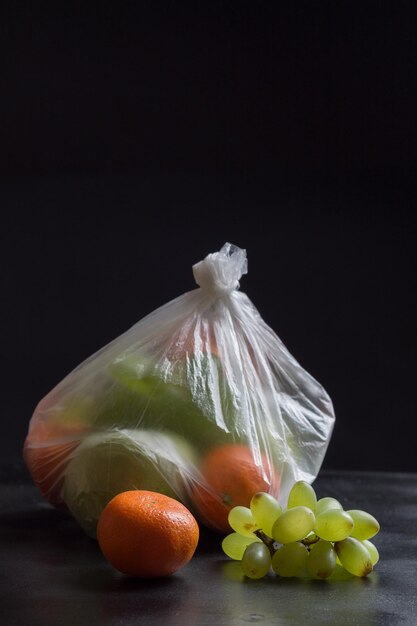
[{"x": 200, "y": 400}]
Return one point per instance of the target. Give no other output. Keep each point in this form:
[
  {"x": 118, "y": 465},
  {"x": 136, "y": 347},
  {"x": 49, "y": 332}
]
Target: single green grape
[
  {"x": 333, "y": 525},
  {"x": 373, "y": 551},
  {"x": 290, "y": 559},
  {"x": 321, "y": 561},
  {"x": 302, "y": 494},
  {"x": 354, "y": 556},
  {"x": 366, "y": 526},
  {"x": 266, "y": 510},
  {"x": 327, "y": 503},
  {"x": 256, "y": 560},
  {"x": 234, "y": 545},
  {"x": 242, "y": 521},
  {"x": 293, "y": 524}
]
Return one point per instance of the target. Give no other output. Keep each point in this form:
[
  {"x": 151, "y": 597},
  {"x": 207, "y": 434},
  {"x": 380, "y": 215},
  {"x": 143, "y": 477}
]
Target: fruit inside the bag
[
  {"x": 108, "y": 463},
  {"x": 47, "y": 451},
  {"x": 230, "y": 476},
  {"x": 147, "y": 534},
  {"x": 190, "y": 398}
]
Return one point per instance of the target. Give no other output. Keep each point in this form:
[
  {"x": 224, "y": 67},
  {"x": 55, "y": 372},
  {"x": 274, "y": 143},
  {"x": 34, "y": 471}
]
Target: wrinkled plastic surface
[{"x": 199, "y": 400}]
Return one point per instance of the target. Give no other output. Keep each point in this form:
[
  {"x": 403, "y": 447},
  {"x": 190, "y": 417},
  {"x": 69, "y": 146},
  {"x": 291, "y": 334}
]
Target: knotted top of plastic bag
[{"x": 220, "y": 272}]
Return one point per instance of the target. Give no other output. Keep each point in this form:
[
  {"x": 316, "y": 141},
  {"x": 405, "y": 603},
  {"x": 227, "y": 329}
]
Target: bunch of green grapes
[{"x": 309, "y": 538}]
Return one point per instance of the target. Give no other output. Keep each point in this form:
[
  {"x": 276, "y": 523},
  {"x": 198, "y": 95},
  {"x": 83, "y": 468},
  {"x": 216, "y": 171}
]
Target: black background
[{"x": 137, "y": 137}]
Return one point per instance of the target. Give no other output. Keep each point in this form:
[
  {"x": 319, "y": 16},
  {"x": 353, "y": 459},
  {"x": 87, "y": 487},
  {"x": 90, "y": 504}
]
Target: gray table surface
[{"x": 51, "y": 573}]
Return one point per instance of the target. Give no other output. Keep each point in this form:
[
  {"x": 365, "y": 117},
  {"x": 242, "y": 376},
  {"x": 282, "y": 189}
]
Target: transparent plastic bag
[{"x": 199, "y": 400}]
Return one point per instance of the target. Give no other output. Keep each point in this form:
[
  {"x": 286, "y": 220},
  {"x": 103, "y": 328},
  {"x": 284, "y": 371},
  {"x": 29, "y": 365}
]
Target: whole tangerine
[
  {"x": 147, "y": 534},
  {"x": 230, "y": 478}
]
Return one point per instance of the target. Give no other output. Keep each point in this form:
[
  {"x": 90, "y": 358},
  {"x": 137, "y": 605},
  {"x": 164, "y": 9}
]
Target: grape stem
[
  {"x": 267, "y": 540},
  {"x": 270, "y": 543}
]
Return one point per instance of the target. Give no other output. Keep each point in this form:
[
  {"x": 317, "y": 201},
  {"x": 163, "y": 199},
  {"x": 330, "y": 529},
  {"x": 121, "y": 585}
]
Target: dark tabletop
[{"x": 51, "y": 573}]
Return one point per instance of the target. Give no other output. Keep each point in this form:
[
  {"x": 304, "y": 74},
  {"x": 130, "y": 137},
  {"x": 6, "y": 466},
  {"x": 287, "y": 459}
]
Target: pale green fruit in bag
[
  {"x": 139, "y": 396},
  {"x": 108, "y": 463}
]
